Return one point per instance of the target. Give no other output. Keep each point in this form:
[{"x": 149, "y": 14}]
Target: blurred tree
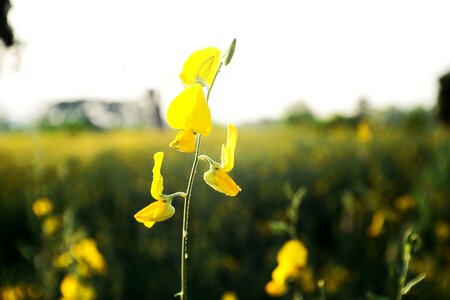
[
  {"x": 6, "y": 32},
  {"x": 444, "y": 99},
  {"x": 299, "y": 113}
]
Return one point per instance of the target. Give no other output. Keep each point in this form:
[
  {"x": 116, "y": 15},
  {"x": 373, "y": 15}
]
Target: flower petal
[
  {"x": 227, "y": 157},
  {"x": 201, "y": 66},
  {"x": 155, "y": 212},
  {"x": 157, "y": 187},
  {"x": 221, "y": 182},
  {"x": 190, "y": 111},
  {"x": 293, "y": 253},
  {"x": 184, "y": 141}
]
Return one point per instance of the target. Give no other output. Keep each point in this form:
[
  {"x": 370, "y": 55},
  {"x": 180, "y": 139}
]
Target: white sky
[{"x": 326, "y": 53}]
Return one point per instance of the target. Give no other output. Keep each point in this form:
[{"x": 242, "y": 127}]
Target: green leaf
[
  {"x": 278, "y": 226},
  {"x": 229, "y": 54},
  {"x": 413, "y": 282}
]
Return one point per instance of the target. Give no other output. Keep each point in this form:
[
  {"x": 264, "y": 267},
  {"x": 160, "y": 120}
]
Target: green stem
[
  {"x": 184, "y": 234},
  {"x": 406, "y": 257}
]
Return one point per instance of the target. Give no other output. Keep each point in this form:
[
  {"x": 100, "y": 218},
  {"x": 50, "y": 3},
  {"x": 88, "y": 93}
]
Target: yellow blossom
[
  {"x": 363, "y": 132},
  {"x": 275, "y": 288},
  {"x": 162, "y": 208},
  {"x": 63, "y": 261},
  {"x": 71, "y": 288},
  {"x": 229, "y": 296},
  {"x": 86, "y": 251},
  {"x": 42, "y": 207},
  {"x": 217, "y": 176},
  {"x": 376, "y": 226},
  {"x": 184, "y": 141},
  {"x": 189, "y": 112},
  {"x": 291, "y": 257},
  {"x": 201, "y": 66},
  {"x": 12, "y": 293},
  {"x": 293, "y": 253},
  {"x": 50, "y": 225}
]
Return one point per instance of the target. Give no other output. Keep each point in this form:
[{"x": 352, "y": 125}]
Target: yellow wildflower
[
  {"x": 85, "y": 251},
  {"x": 50, "y": 225},
  {"x": 189, "y": 112},
  {"x": 201, "y": 67},
  {"x": 71, "y": 288},
  {"x": 12, "y": 293},
  {"x": 377, "y": 224},
  {"x": 42, "y": 207},
  {"x": 217, "y": 176},
  {"x": 363, "y": 132},
  {"x": 162, "y": 208},
  {"x": 291, "y": 257},
  {"x": 229, "y": 296},
  {"x": 63, "y": 260}
]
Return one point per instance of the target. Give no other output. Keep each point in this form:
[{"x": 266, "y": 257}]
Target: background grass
[{"x": 402, "y": 175}]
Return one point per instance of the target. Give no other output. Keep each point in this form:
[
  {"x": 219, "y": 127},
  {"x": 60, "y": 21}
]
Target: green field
[{"x": 364, "y": 189}]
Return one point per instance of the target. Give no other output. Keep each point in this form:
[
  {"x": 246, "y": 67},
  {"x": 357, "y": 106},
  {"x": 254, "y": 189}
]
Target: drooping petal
[
  {"x": 157, "y": 187},
  {"x": 184, "y": 141},
  {"x": 201, "y": 66},
  {"x": 190, "y": 111},
  {"x": 227, "y": 157},
  {"x": 221, "y": 182},
  {"x": 155, "y": 212}
]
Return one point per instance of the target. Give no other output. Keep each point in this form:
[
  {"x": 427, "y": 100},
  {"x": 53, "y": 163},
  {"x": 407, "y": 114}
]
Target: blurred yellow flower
[
  {"x": 63, "y": 261},
  {"x": 86, "y": 251},
  {"x": 201, "y": 67},
  {"x": 50, "y": 225},
  {"x": 12, "y": 293},
  {"x": 42, "y": 207},
  {"x": 363, "y": 132},
  {"x": 162, "y": 208},
  {"x": 229, "y": 296},
  {"x": 71, "y": 289},
  {"x": 293, "y": 253},
  {"x": 189, "y": 112},
  {"x": 217, "y": 176},
  {"x": 376, "y": 226},
  {"x": 291, "y": 257}
]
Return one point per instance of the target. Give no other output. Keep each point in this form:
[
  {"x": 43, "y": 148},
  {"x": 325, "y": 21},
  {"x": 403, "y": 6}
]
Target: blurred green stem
[{"x": 408, "y": 240}]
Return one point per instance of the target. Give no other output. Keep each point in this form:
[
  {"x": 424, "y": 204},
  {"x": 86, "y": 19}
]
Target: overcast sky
[{"x": 328, "y": 54}]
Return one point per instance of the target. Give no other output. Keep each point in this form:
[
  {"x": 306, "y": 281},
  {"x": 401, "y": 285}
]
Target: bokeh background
[{"x": 371, "y": 168}]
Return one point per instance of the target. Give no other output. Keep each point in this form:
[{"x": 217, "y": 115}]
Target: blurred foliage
[{"x": 366, "y": 184}]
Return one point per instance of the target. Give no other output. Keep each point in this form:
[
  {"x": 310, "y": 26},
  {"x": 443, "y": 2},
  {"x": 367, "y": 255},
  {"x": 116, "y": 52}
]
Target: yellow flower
[
  {"x": 50, "y": 225},
  {"x": 184, "y": 141},
  {"x": 363, "y": 132},
  {"x": 291, "y": 257},
  {"x": 293, "y": 253},
  {"x": 63, "y": 260},
  {"x": 71, "y": 288},
  {"x": 276, "y": 288},
  {"x": 217, "y": 176},
  {"x": 229, "y": 296},
  {"x": 42, "y": 207},
  {"x": 190, "y": 113},
  {"x": 201, "y": 67},
  {"x": 162, "y": 208},
  {"x": 85, "y": 251}
]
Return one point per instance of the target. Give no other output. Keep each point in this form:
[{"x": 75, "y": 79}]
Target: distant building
[{"x": 100, "y": 114}]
